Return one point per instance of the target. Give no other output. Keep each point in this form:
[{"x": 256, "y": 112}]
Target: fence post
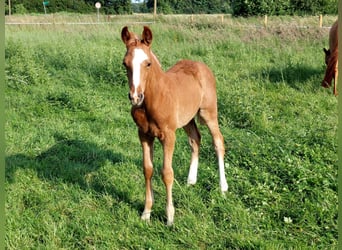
[
  {"x": 9, "y": 7},
  {"x": 265, "y": 21},
  {"x": 320, "y": 21},
  {"x": 154, "y": 9}
]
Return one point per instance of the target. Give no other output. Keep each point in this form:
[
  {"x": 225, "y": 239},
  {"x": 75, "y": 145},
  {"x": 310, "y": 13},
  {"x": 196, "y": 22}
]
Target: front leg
[
  {"x": 147, "y": 147},
  {"x": 335, "y": 80},
  {"x": 168, "y": 143}
]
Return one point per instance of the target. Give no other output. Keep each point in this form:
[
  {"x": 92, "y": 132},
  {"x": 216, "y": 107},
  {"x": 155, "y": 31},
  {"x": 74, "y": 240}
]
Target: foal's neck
[{"x": 155, "y": 85}]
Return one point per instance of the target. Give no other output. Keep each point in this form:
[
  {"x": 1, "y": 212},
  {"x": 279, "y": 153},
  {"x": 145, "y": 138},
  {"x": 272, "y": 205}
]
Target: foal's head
[
  {"x": 137, "y": 61},
  {"x": 327, "y": 55}
]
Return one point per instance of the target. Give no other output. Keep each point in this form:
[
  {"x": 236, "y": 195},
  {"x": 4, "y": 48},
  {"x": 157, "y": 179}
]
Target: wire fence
[{"x": 320, "y": 21}]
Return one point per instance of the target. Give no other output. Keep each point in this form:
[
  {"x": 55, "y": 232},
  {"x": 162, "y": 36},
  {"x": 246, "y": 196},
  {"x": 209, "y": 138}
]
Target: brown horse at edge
[
  {"x": 165, "y": 101},
  {"x": 331, "y": 59}
]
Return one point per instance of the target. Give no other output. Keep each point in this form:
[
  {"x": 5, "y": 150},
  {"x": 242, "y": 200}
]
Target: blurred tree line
[
  {"x": 76, "y": 6},
  {"x": 235, "y": 7},
  {"x": 283, "y": 7}
]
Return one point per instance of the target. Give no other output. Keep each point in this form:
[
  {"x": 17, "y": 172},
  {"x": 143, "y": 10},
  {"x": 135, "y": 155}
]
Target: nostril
[{"x": 136, "y": 99}]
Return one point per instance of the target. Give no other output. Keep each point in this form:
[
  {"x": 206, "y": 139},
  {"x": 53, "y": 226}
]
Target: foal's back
[
  {"x": 194, "y": 88},
  {"x": 194, "y": 75},
  {"x": 333, "y": 37},
  {"x": 200, "y": 72}
]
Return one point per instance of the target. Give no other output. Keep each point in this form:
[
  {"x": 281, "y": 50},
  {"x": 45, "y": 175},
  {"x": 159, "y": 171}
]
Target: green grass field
[{"x": 73, "y": 159}]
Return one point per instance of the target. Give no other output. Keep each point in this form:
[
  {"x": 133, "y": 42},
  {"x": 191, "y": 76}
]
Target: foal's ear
[
  {"x": 326, "y": 51},
  {"x": 125, "y": 35},
  {"x": 147, "y": 36}
]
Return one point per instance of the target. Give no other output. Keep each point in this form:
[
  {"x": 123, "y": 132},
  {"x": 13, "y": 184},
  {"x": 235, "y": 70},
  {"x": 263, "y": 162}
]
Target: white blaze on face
[{"x": 138, "y": 57}]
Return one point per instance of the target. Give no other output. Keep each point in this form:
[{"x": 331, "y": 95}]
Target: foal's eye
[{"x": 148, "y": 64}]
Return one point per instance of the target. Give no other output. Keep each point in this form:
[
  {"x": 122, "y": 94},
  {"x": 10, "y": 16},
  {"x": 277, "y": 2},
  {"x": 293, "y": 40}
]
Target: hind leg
[
  {"x": 210, "y": 119},
  {"x": 194, "y": 141}
]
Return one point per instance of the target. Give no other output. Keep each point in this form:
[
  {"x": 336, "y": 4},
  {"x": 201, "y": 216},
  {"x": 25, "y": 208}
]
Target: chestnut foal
[
  {"x": 331, "y": 59},
  {"x": 165, "y": 101}
]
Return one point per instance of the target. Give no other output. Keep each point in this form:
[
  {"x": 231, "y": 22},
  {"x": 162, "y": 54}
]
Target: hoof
[
  {"x": 146, "y": 216},
  {"x": 170, "y": 212},
  {"x": 169, "y": 223},
  {"x": 224, "y": 187},
  {"x": 191, "y": 182}
]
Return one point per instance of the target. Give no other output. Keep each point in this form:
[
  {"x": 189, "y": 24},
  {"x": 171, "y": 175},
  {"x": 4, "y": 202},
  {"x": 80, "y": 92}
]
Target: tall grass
[{"x": 73, "y": 159}]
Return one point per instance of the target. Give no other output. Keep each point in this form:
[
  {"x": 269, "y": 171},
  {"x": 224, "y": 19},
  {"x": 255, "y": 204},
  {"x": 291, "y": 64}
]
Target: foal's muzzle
[
  {"x": 326, "y": 84},
  {"x": 136, "y": 100}
]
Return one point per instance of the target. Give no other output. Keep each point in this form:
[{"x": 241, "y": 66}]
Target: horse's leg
[
  {"x": 210, "y": 119},
  {"x": 147, "y": 146},
  {"x": 335, "y": 81},
  {"x": 194, "y": 141},
  {"x": 168, "y": 143}
]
